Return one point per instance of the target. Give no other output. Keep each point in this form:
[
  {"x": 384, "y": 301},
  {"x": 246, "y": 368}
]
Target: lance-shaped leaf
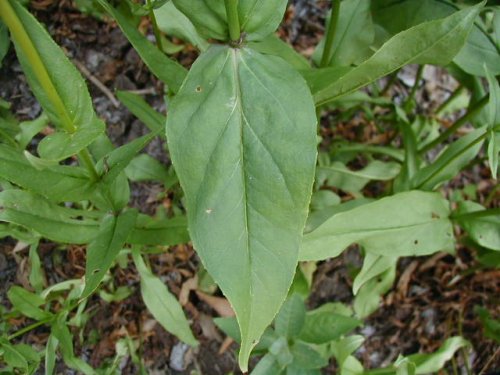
[
  {"x": 242, "y": 136},
  {"x": 167, "y": 70},
  {"x": 56, "y": 83},
  {"x": 405, "y": 224},
  {"x": 58, "y": 183},
  {"x": 105, "y": 247},
  {"x": 161, "y": 303},
  {"x": 433, "y": 42},
  {"x": 48, "y": 219}
]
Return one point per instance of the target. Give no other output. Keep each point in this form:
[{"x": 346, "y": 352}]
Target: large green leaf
[
  {"x": 104, "y": 248},
  {"x": 56, "y": 83},
  {"x": 167, "y": 70},
  {"x": 433, "y": 42},
  {"x": 354, "y": 35},
  {"x": 242, "y": 136},
  {"x": 162, "y": 304},
  {"x": 405, "y": 224}
]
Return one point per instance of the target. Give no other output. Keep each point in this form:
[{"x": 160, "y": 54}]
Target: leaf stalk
[
  {"x": 330, "y": 34},
  {"x": 233, "y": 20}
]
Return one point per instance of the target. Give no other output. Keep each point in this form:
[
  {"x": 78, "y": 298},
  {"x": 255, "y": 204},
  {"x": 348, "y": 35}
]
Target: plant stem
[
  {"x": 233, "y": 20},
  {"x": 477, "y": 214},
  {"x": 156, "y": 30},
  {"x": 452, "y": 97},
  {"x": 30, "y": 327},
  {"x": 330, "y": 34},
  {"x": 393, "y": 78},
  {"x": 86, "y": 159},
  {"x": 461, "y": 121},
  {"x": 413, "y": 91}
]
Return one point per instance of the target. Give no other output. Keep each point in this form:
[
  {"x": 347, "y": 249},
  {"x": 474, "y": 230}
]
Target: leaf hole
[
  {"x": 97, "y": 270},
  {"x": 415, "y": 242},
  {"x": 198, "y": 89}
]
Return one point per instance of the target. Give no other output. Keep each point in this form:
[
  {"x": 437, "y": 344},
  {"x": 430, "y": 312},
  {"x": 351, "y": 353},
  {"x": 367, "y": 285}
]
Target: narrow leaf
[
  {"x": 102, "y": 251},
  {"x": 142, "y": 110},
  {"x": 167, "y": 70},
  {"x": 59, "y": 183},
  {"x": 27, "y": 303},
  {"x": 450, "y": 162},
  {"x": 433, "y": 42},
  {"x": 405, "y": 224},
  {"x": 56, "y": 83},
  {"x": 162, "y": 304},
  {"x": 54, "y": 222},
  {"x": 230, "y": 131}
]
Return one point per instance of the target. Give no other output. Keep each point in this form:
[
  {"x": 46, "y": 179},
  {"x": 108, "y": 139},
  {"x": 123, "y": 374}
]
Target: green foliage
[
  {"x": 242, "y": 134},
  {"x": 245, "y": 193}
]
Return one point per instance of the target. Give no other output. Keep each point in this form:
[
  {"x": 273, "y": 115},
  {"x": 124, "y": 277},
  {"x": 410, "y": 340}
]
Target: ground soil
[{"x": 433, "y": 299}]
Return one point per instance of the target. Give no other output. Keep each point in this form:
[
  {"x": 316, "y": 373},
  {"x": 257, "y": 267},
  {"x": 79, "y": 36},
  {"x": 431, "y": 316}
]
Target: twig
[
  {"x": 490, "y": 361},
  {"x": 83, "y": 69}
]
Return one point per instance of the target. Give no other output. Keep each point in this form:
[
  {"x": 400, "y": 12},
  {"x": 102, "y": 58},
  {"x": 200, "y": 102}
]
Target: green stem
[
  {"x": 452, "y": 97},
  {"x": 23, "y": 40},
  {"x": 30, "y": 327},
  {"x": 393, "y": 78},
  {"x": 330, "y": 34},
  {"x": 156, "y": 29},
  {"x": 477, "y": 214},
  {"x": 414, "y": 88},
  {"x": 472, "y": 144},
  {"x": 86, "y": 159},
  {"x": 233, "y": 20},
  {"x": 452, "y": 129}
]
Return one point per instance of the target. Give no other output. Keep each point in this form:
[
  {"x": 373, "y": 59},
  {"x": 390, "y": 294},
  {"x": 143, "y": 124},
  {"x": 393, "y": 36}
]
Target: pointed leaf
[
  {"x": 324, "y": 326},
  {"x": 291, "y": 317},
  {"x": 353, "y": 36},
  {"x": 373, "y": 265},
  {"x": 167, "y": 70},
  {"x": 27, "y": 303},
  {"x": 58, "y": 183},
  {"x": 483, "y": 230},
  {"x": 174, "y": 23},
  {"x": 54, "y": 222},
  {"x": 340, "y": 176},
  {"x": 162, "y": 304},
  {"x": 102, "y": 251},
  {"x": 433, "y": 42},
  {"x": 230, "y": 131},
  {"x": 450, "y": 162},
  {"x": 142, "y": 110},
  {"x": 405, "y": 224},
  {"x": 56, "y": 83}
]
